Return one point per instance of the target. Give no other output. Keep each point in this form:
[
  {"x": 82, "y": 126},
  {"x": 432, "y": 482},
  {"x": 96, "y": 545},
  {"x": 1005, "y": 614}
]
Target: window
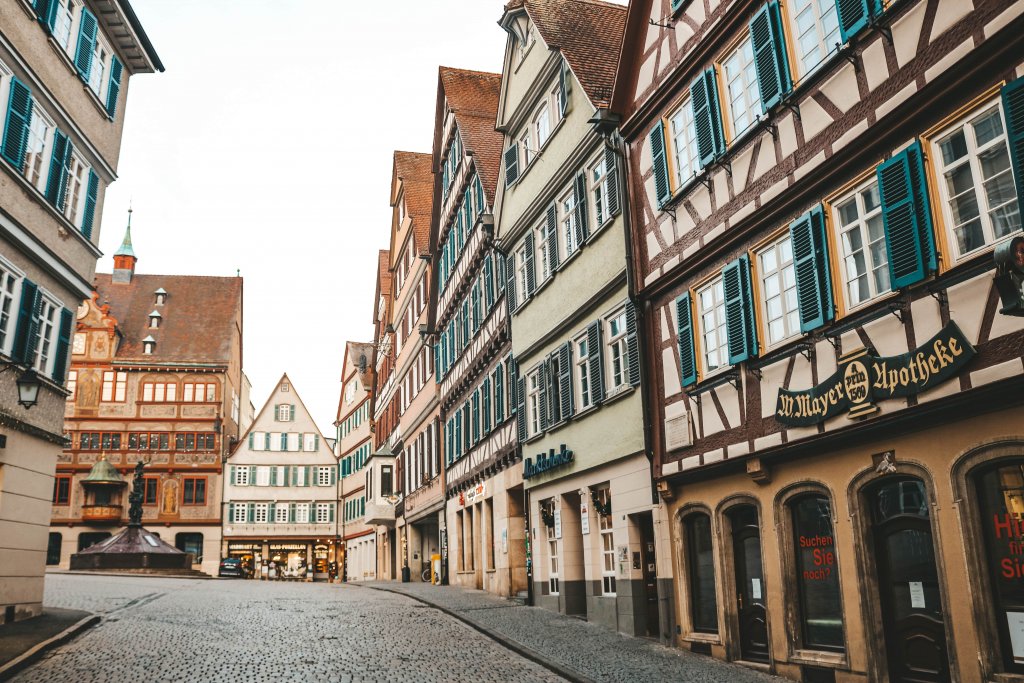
[
  {"x": 284, "y": 412},
  {"x": 195, "y": 441},
  {"x": 241, "y": 475},
  {"x": 72, "y": 384},
  {"x": 744, "y": 98},
  {"x": 190, "y": 543},
  {"x": 114, "y": 384},
  {"x": 386, "y": 480},
  {"x": 198, "y": 393},
  {"x": 145, "y": 441},
  {"x": 62, "y": 490},
  {"x": 570, "y": 231},
  {"x": 311, "y": 443},
  {"x": 9, "y": 281},
  {"x": 74, "y": 199},
  {"x": 552, "y": 538},
  {"x": 684, "y": 144},
  {"x": 111, "y": 441},
  {"x": 711, "y": 315},
  {"x": 542, "y": 124},
  {"x": 778, "y": 290},
  {"x": 544, "y": 256},
  {"x": 815, "y": 29},
  {"x": 979, "y": 202},
  {"x": 89, "y": 441},
  {"x": 194, "y": 491},
  {"x": 150, "y": 493},
  {"x": 35, "y": 148},
  {"x": 617, "y": 351},
  {"x": 323, "y": 476},
  {"x": 260, "y": 513},
  {"x": 522, "y": 277},
  {"x": 100, "y": 58},
  {"x": 863, "y": 258},
  {"x": 600, "y": 192},
  {"x": 159, "y": 392},
  {"x": 526, "y": 147},
  {"x": 154, "y": 321},
  {"x": 47, "y": 336},
  {"x": 324, "y": 512},
  {"x": 700, "y": 565},
  {"x": 239, "y": 514},
  {"x": 821, "y": 609},
  {"x": 148, "y": 346},
  {"x": 65, "y": 17},
  {"x": 281, "y": 513},
  {"x": 604, "y": 498},
  {"x": 302, "y": 513},
  {"x": 584, "y": 399},
  {"x": 533, "y": 402}
]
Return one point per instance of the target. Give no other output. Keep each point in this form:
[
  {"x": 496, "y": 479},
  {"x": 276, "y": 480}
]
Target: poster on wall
[
  {"x": 584, "y": 516},
  {"x": 558, "y": 523},
  {"x": 504, "y": 541}
]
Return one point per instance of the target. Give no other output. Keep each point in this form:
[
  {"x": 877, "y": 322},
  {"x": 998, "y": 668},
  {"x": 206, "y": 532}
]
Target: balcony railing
[{"x": 101, "y": 514}]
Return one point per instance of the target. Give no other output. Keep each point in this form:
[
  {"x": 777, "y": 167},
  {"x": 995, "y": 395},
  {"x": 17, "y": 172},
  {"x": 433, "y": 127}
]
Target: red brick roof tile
[
  {"x": 414, "y": 170},
  {"x": 473, "y": 98}
]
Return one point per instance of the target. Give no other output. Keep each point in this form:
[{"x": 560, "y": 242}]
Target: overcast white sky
[{"x": 266, "y": 147}]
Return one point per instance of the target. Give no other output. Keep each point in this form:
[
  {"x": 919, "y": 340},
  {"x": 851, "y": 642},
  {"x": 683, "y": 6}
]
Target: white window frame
[
  {"x": 323, "y": 476},
  {"x": 606, "y": 532},
  {"x": 77, "y": 188},
  {"x": 716, "y": 310},
  {"x": 100, "y": 69},
  {"x": 302, "y": 513},
  {"x": 847, "y": 254},
  {"x": 521, "y": 276},
  {"x": 241, "y": 475},
  {"x": 281, "y": 513},
  {"x": 65, "y": 24},
  {"x": 323, "y": 513},
  {"x": 597, "y": 177},
  {"x": 742, "y": 93},
  {"x": 263, "y": 475},
  {"x": 617, "y": 350},
  {"x": 260, "y": 513},
  {"x": 48, "y": 328},
  {"x": 581, "y": 373},
  {"x": 972, "y": 158},
  {"x": 827, "y": 37},
  {"x": 309, "y": 443},
  {"x": 780, "y": 251},
  {"x": 554, "y": 557},
  {"x": 284, "y": 412},
  {"x": 259, "y": 441},
  {"x": 533, "y": 402},
  {"x": 37, "y": 162},
  {"x": 113, "y": 386},
  {"x": 10, "y": 296},
  {"x": 542, "y": 125},
  {"x": 526, "y": 151},
  {"x": 567, "y": 222},
  {"x": 542, "y": 256},
  {"x": 72, "y": 384},
  {"x": 683, "y": 136},
  {"x": 240, "y": 514}
]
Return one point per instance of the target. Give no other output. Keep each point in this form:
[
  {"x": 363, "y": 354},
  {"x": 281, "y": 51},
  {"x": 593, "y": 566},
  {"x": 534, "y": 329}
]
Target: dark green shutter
[
  {"x": 595, "y": 356},
  {"x": 544, "y": 379},
  {"x": 907, "y": 217},
  {"x": 563, "y": 87},
  {"x": 739, "y": 311},
  {"x": 90, "y": 204},
  {"x": 476, "y": 416},
  {"x": 510, "y": 283},
  {"x": 233, "y": 468},
  {"x": 810, "y": 264},
  {"x": 291, "y": 512},
  {"x": 684, "y": 340},
  {"x": 113, "y": 86},
  {"x": 271, "y": 508},
  {"x": 273, "y": 476},
  {"x": 19, "y": 117},
  {"x": 511, "y": 164},
  {"x": 531, "y": 274},
  {"x": 632, "y": 345},
  {"x": 57, "y": 181},
  {"x": 86, "y": 44},
  {"x": 580, "y": 209},
  {"x": 611, "y": 169},
  {"x": 489, "y": 282},
  {"x": 251, "y": 435},
  {"x": 521, "y": 408},
  {"x": 251, "y": 513},
  {"x": 662, "y": 188},
  {"x": 1013, "y": 111},
  {"x": 853, "y": 16},
  {"x": 252, "y": 475},
  {"x": 485, "y": 406},
  {"x": 24, "y": 346},
  {"x": 770, "y": 62},
  {"x": 499, "y": 396},
  {"x": 707, "y": 119},
  {"x": 60, "y": 359},
  {"x": 551, "y": 217},
  {"x": 284, "y": 441},
  {"x": 564, "y": 379}
]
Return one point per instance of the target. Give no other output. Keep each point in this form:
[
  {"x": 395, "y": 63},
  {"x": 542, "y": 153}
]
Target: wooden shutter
[
  {"x": 476, "y": 415},
  {"x": 330, "y": 508},
  {"x": 251, "y": 516},
  {"x": 252, "y": 475},
  {"x": 580, "y": 209},
  {"x": 1013, "y": 110},
  {"x": 57, "y": 180},
  {"x": 511, "y": 164},
  {"x": 521, "y": 408},
  {"x": 707, "y": 119},
  {"x": 285, "y": 476},
  {"x": 611, "y": 169},
  {"x": 853, "y": 16},
  {"x": 19, "y": 116},
  {"x": 291, "y": 412},
  {"x": 531, "y": 274},
  {"x": 291, "y": 512},
  {"x": 739, "y": 311},
  {"x": 551, "y": 221},
  {"x": 677, "y": 4},
  {"x": 563, "y": 87},
  {"x": 86, "y": 44},
  {"x": 543, "y": 379},
  {"x": 510, "y": 283},
  {"x": 485, "y": 405},
  {"x": 273, "y": 476},
  {"x": 307, "y": 476},
  {"x": 906, "y": 217},
  {"x": 113, "y": 86},
  {"x": 810, "y": 263},
  {"x": 284, "y": 441},
  {"x": 770, "y": 60},
  {"x": 90, "y": 204},
  {"x": 271, "y": 508},
  {"x": 632, "y": 345},
  {"x": 24, "y": 346},
  {"x": 564, "y": 379},
  {"x": 231, "y": 512},
  {"x": 233, "y": 468},
  {"x": 489, "y": 282},
  {"x": 684, "y": 340},
  {"x": 60, "y": 358},
  {"x": 662, "y": 187},
  {"x": 266, "y": 441},
  {"x": 334, "y": 475},
  {"x": 595, "y": 362},
  {"x": 499, "y": 396}
]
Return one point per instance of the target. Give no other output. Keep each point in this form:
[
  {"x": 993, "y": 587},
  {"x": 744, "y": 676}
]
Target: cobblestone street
[{"x": 157, "y": 629}]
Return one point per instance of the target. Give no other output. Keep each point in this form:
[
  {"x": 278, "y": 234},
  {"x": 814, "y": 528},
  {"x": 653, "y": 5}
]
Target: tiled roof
[
  {"x": 383, "y": 281},
  {"x": 197, "y": 323},
  {"x": 413, "y": 169},
  {"x": 353, "y": 351},
  {"x": 473, "y": 98},
  {"x": 589, "y": 35}
]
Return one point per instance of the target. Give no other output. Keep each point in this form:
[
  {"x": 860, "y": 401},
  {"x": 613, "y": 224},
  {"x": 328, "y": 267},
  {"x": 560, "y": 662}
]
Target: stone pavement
[
  {"x": 22, "y": 641},
  {"x": 589, "y": 651}
]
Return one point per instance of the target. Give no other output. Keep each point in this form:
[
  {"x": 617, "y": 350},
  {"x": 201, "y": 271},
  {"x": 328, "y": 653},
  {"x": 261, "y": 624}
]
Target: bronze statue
[{"x": 136, "y": 496}]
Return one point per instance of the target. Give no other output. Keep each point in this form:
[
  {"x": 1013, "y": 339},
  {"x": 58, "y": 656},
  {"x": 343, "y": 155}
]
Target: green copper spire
[{"x": 126, "y": 244}]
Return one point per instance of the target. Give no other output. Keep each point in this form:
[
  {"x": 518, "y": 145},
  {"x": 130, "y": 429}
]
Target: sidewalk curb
[
  {"x": 130, "y": 575},
  {"x": 21, "y": 661},
  {"x": 514, "y": 646}
]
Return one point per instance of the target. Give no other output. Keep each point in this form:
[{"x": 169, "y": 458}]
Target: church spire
[{"x": 124, "y": 257}]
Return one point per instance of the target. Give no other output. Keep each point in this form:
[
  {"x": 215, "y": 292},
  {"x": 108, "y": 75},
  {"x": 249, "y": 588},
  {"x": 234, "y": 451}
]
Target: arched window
[
  {"x": 817, "y": 573},
  {"x": 700, "y": 569}
]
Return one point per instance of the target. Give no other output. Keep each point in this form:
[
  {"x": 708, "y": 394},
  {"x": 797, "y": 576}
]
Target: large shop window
[
  {"x": 1001, "y": 497},
  {"x": 817, "y": 575},
  {"x": 701, "y": 569}
]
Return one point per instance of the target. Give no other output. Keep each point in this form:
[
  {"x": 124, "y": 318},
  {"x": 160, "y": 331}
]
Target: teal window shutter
[
  {"x": 511, "y": 164},
  {"x": 273, "y": 476},
  {"x": 677, "y": 5},
  {"x": 510, "y": 284},
  {"x": 285, "y": 476},
  {"x": 739, "y": 311},
  {"x": 684, "y": 340},
  {"x": 251, "y": 435},
  {"x": 531, "y": 273},
  {"x": 1013, "y": 111},
  {"x": 489, "y": 282},
  {"x": 266, "y": 441},
  {"x": 564, "y": 381},
  {"x": 520, "y": 389},
  {"x": 25, "y": 334},
  {"x": 291, "y": 512},
  {"x": 632, "y": 346},
  {"x": 316, "y": 442},
  {"x": 231, "y": 512},
  {"x": 251, "y": 513},
  {"x": 252, "y": 475},
  {"x": 291, "y": 412},
  {"x": 331, "y": 508},
  {"x": 233, "y": 468},
  {"x": 810, "y": 263},
  {"x": 595, "y": 357},
  {"x": 57, "y": 180},
  {"x": 309, "y": 477},
  {"x": 662, "y": 187},
  {"x": 87, "y": 27},
  {"x": 270, "y": 512},
  {"x": 563, "y": 87},
  {"x": 90, "y": 204},
  {"x": 50, "y": 19},
  {"x": 284, "y": 441},
  {"x": 499, "y": 395},
  {"x": 853, "y": 15},
  {"x": 60, "y": 359},
  {"x": 582, "y": 220},
  {"x": 906, "y": 217},
  {"x": 485, "y": 406},
  {"x": 114, "y": 86},
  {"x": 551, "y": 218},
  {"x": 19, "y": 116},
  {"x": 611, "y": 168},
  {"x": 770, "y": 62},
  {"x": 707, "y": 119}
]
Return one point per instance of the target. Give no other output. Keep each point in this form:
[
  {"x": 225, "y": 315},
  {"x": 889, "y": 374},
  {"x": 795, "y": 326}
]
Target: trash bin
[{"x": 405, "y": 575}]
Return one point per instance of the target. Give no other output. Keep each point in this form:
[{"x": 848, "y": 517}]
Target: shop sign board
[
  {"x": 558, "y": 523},
  {"x": 864, "y": 379},
  {"x": 584, "y": 516},
  {"x": 544, "y": 462}
]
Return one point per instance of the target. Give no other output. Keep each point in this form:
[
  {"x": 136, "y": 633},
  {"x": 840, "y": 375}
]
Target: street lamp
[{"x": 28, "y": 388}]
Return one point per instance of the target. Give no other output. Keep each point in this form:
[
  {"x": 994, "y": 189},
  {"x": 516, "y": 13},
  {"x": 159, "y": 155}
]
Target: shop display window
[
  {"x": 817, "y": 573},
  {"x": 701, "y": 569}
]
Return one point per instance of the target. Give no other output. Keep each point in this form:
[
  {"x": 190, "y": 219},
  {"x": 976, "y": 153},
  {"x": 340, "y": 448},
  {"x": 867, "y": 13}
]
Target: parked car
[{"x": 231, "y": 566}]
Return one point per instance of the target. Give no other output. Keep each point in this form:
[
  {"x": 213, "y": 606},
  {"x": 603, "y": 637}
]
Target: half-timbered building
[{"x": 817, "y": 190}]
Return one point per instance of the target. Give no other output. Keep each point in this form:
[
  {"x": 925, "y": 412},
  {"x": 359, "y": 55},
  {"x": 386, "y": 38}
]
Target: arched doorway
[
  {"x": 908, "y": 581},
  {"x": 750, "y": 589}
]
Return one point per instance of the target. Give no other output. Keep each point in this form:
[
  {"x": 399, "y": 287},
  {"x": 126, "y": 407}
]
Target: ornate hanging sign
[{"x": 863, "y": 379}]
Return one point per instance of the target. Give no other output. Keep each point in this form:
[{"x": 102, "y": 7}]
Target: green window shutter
[
  {"x": 284, "y": 441},
  {"x": 662, "y": 187},
  {"x": 1013, "y": 110},
  {"x": 233, "y": 468},
  {"x": 334, "y": 475},
  {"x": 89, "y": 211},
  {"x": 19, "y": 116},
  {"x": 316, "y": 442},
  {"x": 273, "y": 476},
  {"x": 60, "y": 358},
  {"x": 521, "y": 408},
  {"x": 86, "y": 44},
  {"x": 580, "y": 209},
  {"x": 57, "y": 180},
  {"x": 906, "y": 217},
  {"x": 270, "y": 512},
  {"x": 277, "y": 409},
  {"x": 252, "y": 475},
  {"x": 485, "y": 407},
  {"x": 511, "y": 164},
  {"x": 309, "y": 476},
  {"x": 770, "y": 62},
  {"x": 551, "y": 219},
  {"x": 684, "y": 340},
  {"x": 499, "y": 396},
  {"x": 677, "y": 4},
  {"x": 331, "y": 508},
  {"x": 113, "y": 86},
  {"x": 563, "y": 87},
  {"x": 52, "y": 6},
  {"x": 291, "y": 512},
  {"x": 632, "y": 345},
  {"x": 545, "y": 395},
  {"x": 854, "y": 16},
  {"x": 231, "y": 512},
  {"x": 531, "y": 274},
  {"x": 510, "y": 283},
  {"x": 266, "y": 441},
  {"x": 437, "y": 361},
  {"x": 564, "y": 380},
  {"x": 25, "y": 334},
  {"x": 810, "y": 263},
  {"x": 251, "y": 513},
  {"x": 595, "y": 356},
  {"x": 707, "y": 119},
  {"x": 489, "y": 282},
  {"x": 291, "y": 412},
  {"x": 251, "y": 436},
  {"x": 739, "y": 311},
  {"x": 611, "y": 169}
]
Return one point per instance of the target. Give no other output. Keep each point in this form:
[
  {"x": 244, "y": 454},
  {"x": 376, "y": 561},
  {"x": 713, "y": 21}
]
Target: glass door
[{"x": 750, "y": 589}]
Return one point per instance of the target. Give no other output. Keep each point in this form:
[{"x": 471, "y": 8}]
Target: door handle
[{"x": 739, "y": 599}]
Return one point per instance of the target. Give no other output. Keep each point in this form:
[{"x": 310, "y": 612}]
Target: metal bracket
[
  {"x": 793, "y": 108},
  {"x": 897, "y": 310},
  {"x": 756, "y": 372},
  {"x": 940, "y": 296},
  {"x": 773, "y": 130},
  {"x": 670, "y": 212},
  {"x": 668, "y": 23},
  {"x": 875, "y": 25},
  {"x": 847, "y": 55},
  {"x": 734, "y": 379},
  {"x": 727, "y": 165},
  {"x": 807, "y": 351},
  {"x": 833, "y": 340},
  {"x": 706, "y": 181}
]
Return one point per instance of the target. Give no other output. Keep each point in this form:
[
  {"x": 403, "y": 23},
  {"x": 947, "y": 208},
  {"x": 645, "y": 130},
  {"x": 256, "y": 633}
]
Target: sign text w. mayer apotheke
[
  {"x": 863, "y": 379},
  {"x": 547, "y": 461}
]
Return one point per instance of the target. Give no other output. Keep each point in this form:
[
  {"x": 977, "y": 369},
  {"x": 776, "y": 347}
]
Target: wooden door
[
  {"x": 750, "y": 588},
  {"x": 647, "y": 559}
]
